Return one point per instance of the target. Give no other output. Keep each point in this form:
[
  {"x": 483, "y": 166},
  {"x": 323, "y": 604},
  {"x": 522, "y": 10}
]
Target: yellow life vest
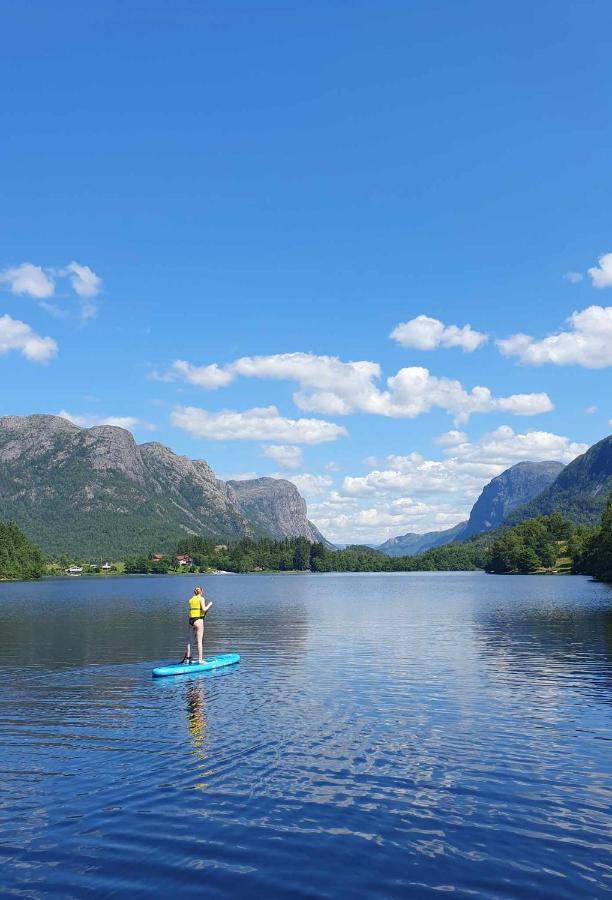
[{"x": 195, "y": 606}]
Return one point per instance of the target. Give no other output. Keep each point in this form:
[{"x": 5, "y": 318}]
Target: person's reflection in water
[{"x": 196, "y": 723}]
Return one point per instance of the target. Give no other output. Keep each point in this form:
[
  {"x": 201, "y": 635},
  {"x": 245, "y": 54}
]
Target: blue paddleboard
[{"x": 210, "y": 662}]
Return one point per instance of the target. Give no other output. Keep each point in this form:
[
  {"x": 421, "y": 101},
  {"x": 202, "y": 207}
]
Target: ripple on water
[{"x": 381, "y": 737}]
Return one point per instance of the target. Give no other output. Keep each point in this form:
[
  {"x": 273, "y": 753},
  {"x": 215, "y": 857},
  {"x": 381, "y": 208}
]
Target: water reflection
[
  {"x": 383, "y": 736},
  {"x": 196, "y": 718},
  {"x": 537, "y": 642},
  {"x": 196, "y": 726}
]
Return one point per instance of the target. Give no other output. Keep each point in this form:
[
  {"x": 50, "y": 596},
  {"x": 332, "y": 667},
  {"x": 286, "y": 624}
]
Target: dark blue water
[{"x": 383, "y": 736}]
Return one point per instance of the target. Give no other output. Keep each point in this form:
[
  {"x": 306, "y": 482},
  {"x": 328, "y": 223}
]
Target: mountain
[
  {"x": 579, "y": 492},
  {"x": 410, "y": 544},
  {"x": 515, "y": 486},
  {"x": 94, "y": 492},
  {"x": 274, "y": 507},
  {"x": 499, "y": 497}
]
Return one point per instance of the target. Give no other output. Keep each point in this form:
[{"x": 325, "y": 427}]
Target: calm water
[{"x": 383, "y": 736}]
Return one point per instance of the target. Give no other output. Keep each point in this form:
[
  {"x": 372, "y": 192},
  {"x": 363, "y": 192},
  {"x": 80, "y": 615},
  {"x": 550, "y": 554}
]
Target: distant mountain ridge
[
  {"x": 95, "y": 492},
  {"x": 410, "y": 544},
  {"x": 499, "y": 497}
]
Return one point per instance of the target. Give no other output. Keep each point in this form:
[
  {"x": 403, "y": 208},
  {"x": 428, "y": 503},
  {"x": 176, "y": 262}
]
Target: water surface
[{"x": 383, "y": 736}]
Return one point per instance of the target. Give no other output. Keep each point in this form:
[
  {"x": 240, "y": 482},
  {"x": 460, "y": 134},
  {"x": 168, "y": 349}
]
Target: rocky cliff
[
  {"x": 274, "y": 507},
  {"x": 95, "y": 492},
  {"x": 515, "y": 486}
]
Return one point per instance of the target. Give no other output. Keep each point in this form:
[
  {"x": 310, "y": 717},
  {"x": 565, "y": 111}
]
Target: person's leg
[
  {"x": 199, "y": 630},
  {"x": 187, "y": 657}
]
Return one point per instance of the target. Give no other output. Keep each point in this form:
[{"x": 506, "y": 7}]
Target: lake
[{"x": 383, "y": 736}]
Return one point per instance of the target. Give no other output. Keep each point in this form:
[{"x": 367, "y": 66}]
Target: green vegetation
[
  {"x": 18, "y": 558},
  {"x": 530, "y": 546},
  {"x": 543, "y": 544},
  {"x": 298, "y": 554},
  {"x": 594, "y": 555}
]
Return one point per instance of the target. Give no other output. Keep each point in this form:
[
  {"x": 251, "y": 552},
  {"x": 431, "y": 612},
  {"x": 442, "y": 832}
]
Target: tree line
[
  {"x": 538, "y": 544},
  {"x": 298, "y": 554},
  {"x": 544, "y": 543}
]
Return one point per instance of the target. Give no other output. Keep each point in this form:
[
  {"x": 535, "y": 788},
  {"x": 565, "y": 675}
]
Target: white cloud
[
  {"x": 308, "y": 485},
  {"x": 332, "y": 466},
  {"x": 286, "y": 455},
  {"x": 504, "y": 447},
  {"x": 587, "y": 342},
  {"x": 207, "y": 377},
  {"x": 411, "y": 493},
  {"x": 524, "y": 404},
  {"x": 86, "y": 285},
  {"x": 590, "y": 410},
  {"x": 573, "y": 277},
  {"x": 39, "y": 283},
  {"x": 88, "y": 420},
  {"x": 28, "y": 279},
  {"x": 415, "y": 390},
  {"x": 427, "y": 477},
  {"x": 260, "y": 423},
  {"x": 84, "y": 280},
  {"x": 332, "y": 387},
  {"x": 374, "y": 523},
  {"x": 16, "y": 335},
  {"x": 601, "y": 275},
  {"x": 425, "y": 333},
  {"x": 451, "y": 439},
  {"x": 468, "y": 465},
  {"x": 329, "y": 386}
]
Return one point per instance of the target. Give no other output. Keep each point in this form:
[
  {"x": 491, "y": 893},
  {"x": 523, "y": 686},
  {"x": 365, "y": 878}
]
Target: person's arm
[{"x": 205, "y": 606}]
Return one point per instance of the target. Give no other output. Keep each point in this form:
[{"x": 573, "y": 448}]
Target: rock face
[
  {"x": 95, "y": 492},
  {"x": 513, "y": 487},
  {"x": 274, "y": 507},
  {"x": 579, "y": 491}
]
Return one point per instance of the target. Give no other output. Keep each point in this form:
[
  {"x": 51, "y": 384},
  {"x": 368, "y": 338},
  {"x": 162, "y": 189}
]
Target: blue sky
[{"x": 209, "y": 182}]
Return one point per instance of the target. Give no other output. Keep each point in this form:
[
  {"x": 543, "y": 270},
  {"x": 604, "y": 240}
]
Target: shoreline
[{"x": 115, "y": 575}]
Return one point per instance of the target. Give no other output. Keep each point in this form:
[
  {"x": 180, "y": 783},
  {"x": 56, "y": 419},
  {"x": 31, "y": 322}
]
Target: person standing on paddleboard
[{"x": 198, "y": 607}]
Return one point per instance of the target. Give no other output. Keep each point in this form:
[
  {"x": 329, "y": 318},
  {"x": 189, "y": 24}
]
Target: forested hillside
[
  {"x": 579, "y": 492},
  {"x": 96, "y": 493},
  {"x": 18, "y": 558}
]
